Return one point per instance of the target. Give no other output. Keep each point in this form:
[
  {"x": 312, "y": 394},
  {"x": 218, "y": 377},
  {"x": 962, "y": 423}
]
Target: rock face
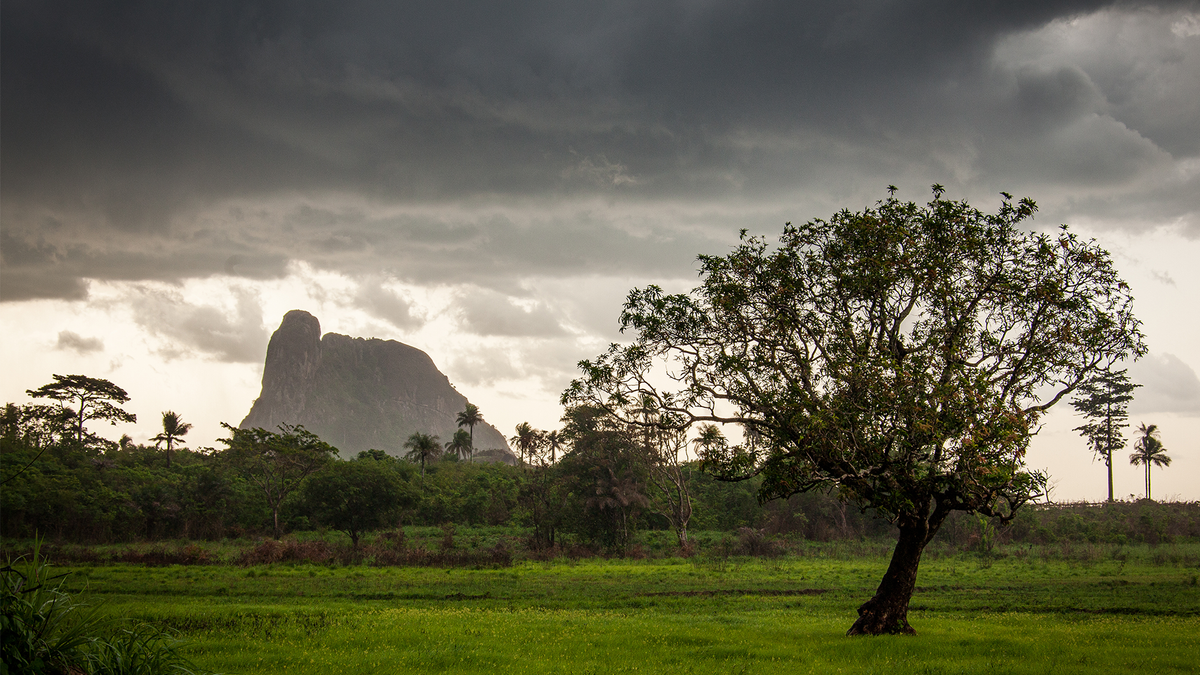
[{"x": 356, "y": 393}]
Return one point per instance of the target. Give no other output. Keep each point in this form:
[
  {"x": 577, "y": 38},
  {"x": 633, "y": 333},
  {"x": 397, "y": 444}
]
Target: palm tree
[
  {"x": 527, "y": 441},
  {"x": 469, "y": 417},
  {"x": 1148, "y": 450},
  {"x": 460, "y": 444},
  {"x": 174, "y": 428},
  {"x": 709, "y": 439},
  {"x": 554, "y": 443},
  {"x": 422, "y": 447}
]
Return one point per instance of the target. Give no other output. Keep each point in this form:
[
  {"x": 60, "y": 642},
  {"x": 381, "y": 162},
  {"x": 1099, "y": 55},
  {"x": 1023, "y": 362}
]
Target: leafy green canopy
[
  {"x": 902, "y": 355},
  {"x": 276, "y": 463},
  {"x": 93, "y": 398},
  {"x": 357, "y": 496}
]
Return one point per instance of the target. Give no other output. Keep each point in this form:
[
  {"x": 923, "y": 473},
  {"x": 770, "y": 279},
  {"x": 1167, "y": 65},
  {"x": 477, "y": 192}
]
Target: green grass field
[{"x": 1116, "y": 610}]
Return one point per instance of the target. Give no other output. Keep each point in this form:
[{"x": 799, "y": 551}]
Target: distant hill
[{"x": 358, "y": 393}]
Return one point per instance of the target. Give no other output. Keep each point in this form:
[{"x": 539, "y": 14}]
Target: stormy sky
[{"x": 486, "y": 180}]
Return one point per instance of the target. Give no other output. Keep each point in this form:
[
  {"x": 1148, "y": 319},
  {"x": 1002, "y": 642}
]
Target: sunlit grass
[{"x": 1125, "y": 611}]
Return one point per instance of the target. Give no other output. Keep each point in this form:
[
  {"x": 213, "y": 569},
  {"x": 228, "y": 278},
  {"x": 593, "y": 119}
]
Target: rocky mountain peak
[{"x": 357, "y": 393}]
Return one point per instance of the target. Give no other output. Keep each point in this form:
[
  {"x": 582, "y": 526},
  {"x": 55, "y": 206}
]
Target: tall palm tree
[
  {"x": 469, "y": 417},
  {"x": 527, "y": 441},
  {"x": 1149, "y": 450},
  {"x": 460, "y": 444},
  {"x": 421, "y": 448},
  {"x": 174, "y": 428},
  {"x": 554, "y": 443}
]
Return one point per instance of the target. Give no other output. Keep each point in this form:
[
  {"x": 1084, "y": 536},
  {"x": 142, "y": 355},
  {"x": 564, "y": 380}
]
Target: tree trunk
[
  {"x": 1108, "y": 462},
  {"x": 887, "y": 612},
  {"x": 1108, "y": 455}
]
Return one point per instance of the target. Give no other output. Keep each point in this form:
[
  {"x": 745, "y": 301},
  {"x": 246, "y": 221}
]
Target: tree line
[{"x": 594, "y": 483}]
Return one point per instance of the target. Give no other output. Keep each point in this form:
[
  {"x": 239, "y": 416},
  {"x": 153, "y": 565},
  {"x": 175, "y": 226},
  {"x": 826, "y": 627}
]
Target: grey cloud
[
  {"x": 495, "y": 249},
  {"x": 1049, "y": 97},
  {"x": 1145, "y": 64},
  {"x": 384, "y": 304},
  {"x": 550, "y": 362},
  {"x": 1168, "y": 385},
  {"x": 207, "y": 329},
  {"x": 1162, "y": 277},
  {"x": 72, "y": 341},
  {"x": 133, "y": 123},
  {"x": 485, "y": 312},
  {"x": 484, "y": 367}
]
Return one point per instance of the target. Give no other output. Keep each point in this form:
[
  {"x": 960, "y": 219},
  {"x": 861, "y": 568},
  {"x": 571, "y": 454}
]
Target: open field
[{"x": 1123, "y": 609}]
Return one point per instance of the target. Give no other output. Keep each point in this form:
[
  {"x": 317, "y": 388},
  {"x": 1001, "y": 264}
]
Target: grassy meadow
[{"x": 1026, "y": 609}]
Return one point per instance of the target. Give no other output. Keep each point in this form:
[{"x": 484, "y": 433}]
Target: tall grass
[{"x": 45, "y": 628}]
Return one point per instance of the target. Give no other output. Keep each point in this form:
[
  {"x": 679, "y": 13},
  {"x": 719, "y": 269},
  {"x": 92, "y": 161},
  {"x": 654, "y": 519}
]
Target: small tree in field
[
  {"x": 663, "y": 440},
  {"x": 901, "y": 355},
  {"x": 92, "y": 398},
  {"x": 276, "y": 462}
]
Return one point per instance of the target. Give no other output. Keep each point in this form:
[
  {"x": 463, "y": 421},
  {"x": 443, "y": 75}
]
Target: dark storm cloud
[{"x": 127, "y": 123}]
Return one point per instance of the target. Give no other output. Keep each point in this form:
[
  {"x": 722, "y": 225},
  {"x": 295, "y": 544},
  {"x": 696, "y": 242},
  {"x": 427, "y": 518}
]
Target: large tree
[
  {"x": 276, "y": 463},
  {"x": 357, "y": 496},
  {"x": 92, "y": 398},
  {"x": 1104, "y": 400},
  {"x": 901, "y": 355},
  {"x": 1148, "y": 451}
]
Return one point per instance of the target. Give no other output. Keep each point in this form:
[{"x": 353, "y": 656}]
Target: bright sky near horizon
[{"x": 486, "y": 182}]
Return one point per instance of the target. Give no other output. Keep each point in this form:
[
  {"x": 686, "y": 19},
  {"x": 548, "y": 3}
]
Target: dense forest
[{"x": 592, "y": 486}]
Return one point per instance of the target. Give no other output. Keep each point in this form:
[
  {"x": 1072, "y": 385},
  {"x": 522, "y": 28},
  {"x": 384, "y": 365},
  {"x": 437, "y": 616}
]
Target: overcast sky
[{"x": 487, "y": 180}]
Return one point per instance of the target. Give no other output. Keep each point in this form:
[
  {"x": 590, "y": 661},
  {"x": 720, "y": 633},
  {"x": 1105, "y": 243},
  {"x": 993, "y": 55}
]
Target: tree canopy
[
  {"x": 422, "y": 447},
  {"x": 901, "y": 355},
  {"x": 357, "y": 496},
  {"x": 276, "y": 462},
  {"x": 469, "y": 417},
  {"x": 93, "y": 398},
  {"x": 1104, "y": 400}
]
